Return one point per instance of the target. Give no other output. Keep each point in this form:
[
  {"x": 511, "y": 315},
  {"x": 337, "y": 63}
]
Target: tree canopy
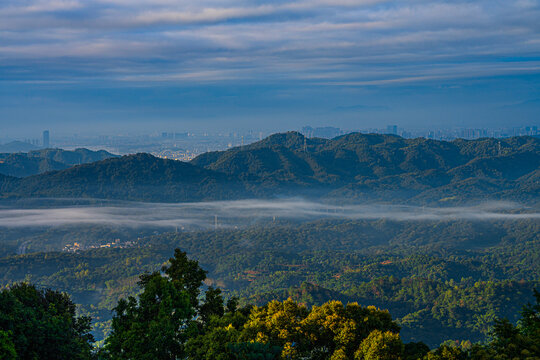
[
  {"x": 42, "y": 324},
  {"x": 171, "y": 318}
]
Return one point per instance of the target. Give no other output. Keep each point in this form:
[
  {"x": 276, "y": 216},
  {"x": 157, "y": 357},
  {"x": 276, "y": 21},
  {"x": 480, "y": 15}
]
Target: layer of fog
[{"x": 243, "y": 212}]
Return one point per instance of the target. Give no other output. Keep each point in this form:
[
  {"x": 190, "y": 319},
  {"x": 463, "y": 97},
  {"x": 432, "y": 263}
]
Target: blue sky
[{"x": 152, "y": 65}]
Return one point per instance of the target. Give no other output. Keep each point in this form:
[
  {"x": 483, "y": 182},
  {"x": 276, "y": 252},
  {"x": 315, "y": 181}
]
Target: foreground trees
[
  {"x": 328, "y": 331},
  {"x": 289, "y": 330},
  {"x": 157, "y": 323},
  {"x": 170, "y": 319},
  {"x": 41, "y": 324}
]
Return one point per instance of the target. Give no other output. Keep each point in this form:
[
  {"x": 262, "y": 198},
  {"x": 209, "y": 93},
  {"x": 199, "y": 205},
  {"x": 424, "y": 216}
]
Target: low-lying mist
[{"x": 243, "y": 212}]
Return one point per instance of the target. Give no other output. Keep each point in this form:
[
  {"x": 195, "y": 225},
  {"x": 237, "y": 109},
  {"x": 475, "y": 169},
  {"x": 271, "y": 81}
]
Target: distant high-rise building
[
  {"x": 531, "y": 130},
  {"x": 391, "y": 129},
  {"x": 46, "y": 142}
]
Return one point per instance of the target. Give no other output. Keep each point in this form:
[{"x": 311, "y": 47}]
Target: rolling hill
[
  {"x": 384, "y": 166},
  {"x": 16, "y": 146},
  {"x": 135, "y": 177},
  {"x": 41, "y": 161},
  {"x": 354, "y": 167}
]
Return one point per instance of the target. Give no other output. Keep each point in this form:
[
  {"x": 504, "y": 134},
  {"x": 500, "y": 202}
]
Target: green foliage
[
  {"x": 512, "y": 342},
  {"x": 157, "y": 323},
  {"x": 380, "y": 346},
  {"x": 254, "y": 351},
  {"x": 509, "y": 341},
  {"x": 185, "y": 274},
  {"x": 331, "y": 330},
  {"x": 154, "y": 326},
  {"x": 7, "y": 348},
  {"x": 446, "y": 352},
  {"x": 212, "y": 305},
  {"x": 529, "y": 324},
  {"x": 134, "y": 177},
  {"x": 166, "y": 322},
  {"x": 218, "y": 338},
  {"x": 440, "y": 280},
  {"x": 41, "y": 324},
  {"x": 414, "y": 351}
]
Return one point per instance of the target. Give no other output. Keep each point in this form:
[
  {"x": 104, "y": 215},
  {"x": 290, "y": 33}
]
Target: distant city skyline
[
  {"x": 187, "y": 145},
  {"x": 326, "y": 131}
]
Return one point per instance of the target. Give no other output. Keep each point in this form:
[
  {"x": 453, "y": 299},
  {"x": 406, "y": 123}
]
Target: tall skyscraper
[
  {"x": 391, "y": 129},
  {"x": 46, "y": 143}
]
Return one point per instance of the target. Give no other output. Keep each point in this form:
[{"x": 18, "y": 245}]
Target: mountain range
[
  {"x": 41, "y": 161},
  {"x": 17, "y": 146},
  {"x": 353, "y": 166}
]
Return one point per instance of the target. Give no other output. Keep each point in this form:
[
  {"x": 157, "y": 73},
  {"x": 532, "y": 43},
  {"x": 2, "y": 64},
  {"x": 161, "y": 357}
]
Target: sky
[{"x": 101, "y": 66}]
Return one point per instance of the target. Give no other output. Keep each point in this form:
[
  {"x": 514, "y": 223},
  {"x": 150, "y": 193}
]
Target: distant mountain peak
[
  {"x": 16, "y": 147},
  {"x": 43, "y": 160},
  {"x": 291, "y": 139}
]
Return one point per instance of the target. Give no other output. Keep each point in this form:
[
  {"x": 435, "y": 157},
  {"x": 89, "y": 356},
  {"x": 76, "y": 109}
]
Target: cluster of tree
[
  {"x": 42, "y": 324},
  {"x": 509, "y": 341},
  {"x": 450, "y": 239},
  {"x": 351, "y": 166},
  {"x": 171, "y": 319},
  {"x": 435, "y": 292},
  {"x": 167, "y": 321}
]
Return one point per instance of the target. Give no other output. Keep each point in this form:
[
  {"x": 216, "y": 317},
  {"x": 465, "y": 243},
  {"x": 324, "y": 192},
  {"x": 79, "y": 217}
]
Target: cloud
[
  {"x": 300, "y": 41},
  {"x": 244, "y": 212},
  {"x": 202, "y": 16},
  {"x": 360, "y": 107}
]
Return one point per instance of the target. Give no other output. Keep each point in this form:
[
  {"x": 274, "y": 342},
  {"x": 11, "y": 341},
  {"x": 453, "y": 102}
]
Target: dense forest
[
  {"x": 171, "y": 318},
  {"x": 354, "y": 166},
  {"x": 440, "y": 280}
]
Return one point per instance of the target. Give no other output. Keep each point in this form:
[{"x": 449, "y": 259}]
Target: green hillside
[
  {"x": 354, "y": 167},
  {"x": 134, "y": 177},
  {"x": 41, "y": 161}
]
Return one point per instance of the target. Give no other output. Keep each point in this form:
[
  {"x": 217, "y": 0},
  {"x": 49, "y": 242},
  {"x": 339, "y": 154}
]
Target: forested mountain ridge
[
  {"x": 16, "y": 146},
  {"x": 354, "y": 156},
  {"x": 354, "y": 166},
  {"x": 134, "y": 177},
  {"x": 386, "y": 167},
  {"x": 72, "y": 157},
  {"x": 41, "y": 161}
]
